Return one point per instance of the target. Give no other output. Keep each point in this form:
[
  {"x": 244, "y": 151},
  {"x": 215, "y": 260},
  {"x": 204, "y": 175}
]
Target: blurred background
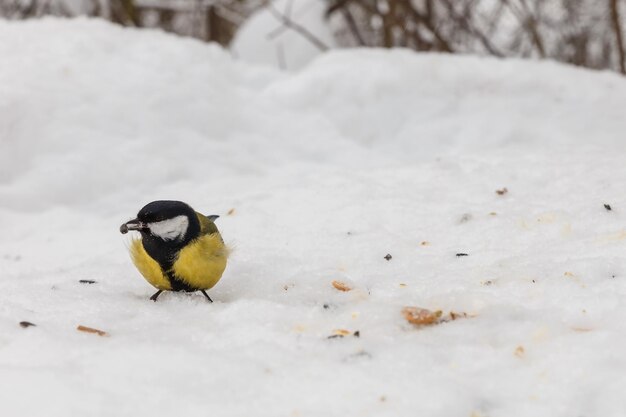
[{"x": 289, "y": 33}]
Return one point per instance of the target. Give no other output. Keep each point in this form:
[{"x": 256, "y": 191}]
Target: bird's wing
[{"x": 207, "y": 225}]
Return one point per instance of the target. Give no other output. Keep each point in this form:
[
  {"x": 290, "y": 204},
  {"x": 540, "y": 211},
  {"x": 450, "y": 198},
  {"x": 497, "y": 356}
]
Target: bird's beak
[{"x": 133, "y": 225}]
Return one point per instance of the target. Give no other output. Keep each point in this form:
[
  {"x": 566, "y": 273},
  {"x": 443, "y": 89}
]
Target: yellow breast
[
  {"x": 148, "y": 267},
  {"x": 200, "y": 264}
]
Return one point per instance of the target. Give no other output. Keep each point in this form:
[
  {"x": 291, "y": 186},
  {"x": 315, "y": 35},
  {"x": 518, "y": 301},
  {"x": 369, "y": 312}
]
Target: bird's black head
[{"x": 171, "y": 223}]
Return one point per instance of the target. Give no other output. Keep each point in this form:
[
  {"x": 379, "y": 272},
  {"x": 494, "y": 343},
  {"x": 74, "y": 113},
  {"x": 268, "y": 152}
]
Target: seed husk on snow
[
  {"x": 26, "y": 324},
  {"x": 87, "y": 281},
  {"x": 341, "y": 286},
  {"x": 421, "y": 316},
  {"x": 424, "y": 317},
  {"x": 608, "y": 207},
  {"x": 339, "y": 333},
  {"x": 453, "y": 316},
  {"x": 86, "y": 329}
]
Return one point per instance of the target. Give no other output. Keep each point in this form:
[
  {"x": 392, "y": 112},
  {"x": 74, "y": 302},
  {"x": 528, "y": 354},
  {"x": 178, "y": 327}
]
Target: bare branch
[
  {"x": 353, "y": 27},
  {"x": 296, "y": 27},
  {"x": 465, "y": 22},
  {"x": 427, "y": 21},
  {"x": 617, "y": 29},
  {"x": 527, "y": 20}
]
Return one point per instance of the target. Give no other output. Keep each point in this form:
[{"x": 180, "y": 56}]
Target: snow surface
[{"x": 359, "y": 155}]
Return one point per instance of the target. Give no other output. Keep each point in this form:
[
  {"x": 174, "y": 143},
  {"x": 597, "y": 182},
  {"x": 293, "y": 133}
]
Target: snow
[{"x": 358, "y": 155}]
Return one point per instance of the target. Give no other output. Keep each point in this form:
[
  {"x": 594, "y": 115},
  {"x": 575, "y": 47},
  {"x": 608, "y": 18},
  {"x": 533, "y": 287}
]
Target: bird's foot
[
  {"x": 156, "y": 295},
  {"x": 206, "y": 295}
]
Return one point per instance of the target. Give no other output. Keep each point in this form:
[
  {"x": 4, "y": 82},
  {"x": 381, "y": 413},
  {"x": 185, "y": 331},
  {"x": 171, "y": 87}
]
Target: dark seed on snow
[
  {"x": 608, "y": 207},
  {"x": 388, "y": 257},
  {"x": 461, "y": 254},
  {"x": 87, "y": 281},
  {"x": 357, "y": 334},
  {"x": 26, "y": 324}
]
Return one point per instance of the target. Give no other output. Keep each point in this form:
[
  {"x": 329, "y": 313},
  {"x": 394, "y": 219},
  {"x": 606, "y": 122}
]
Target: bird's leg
[
  {"x": 206, "y": 295},
  {"x": 156, "y": 295}
]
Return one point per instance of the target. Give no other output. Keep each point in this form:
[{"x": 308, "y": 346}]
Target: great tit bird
[{"x": 179, "y": 249}]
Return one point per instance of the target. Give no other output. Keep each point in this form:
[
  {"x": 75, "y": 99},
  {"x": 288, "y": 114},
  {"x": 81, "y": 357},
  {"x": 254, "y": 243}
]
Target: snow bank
[{"x": 361, "y": 154}]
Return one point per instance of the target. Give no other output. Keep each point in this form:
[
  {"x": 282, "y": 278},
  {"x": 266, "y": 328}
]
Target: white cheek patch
[{"x": 170, "y": 229}]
